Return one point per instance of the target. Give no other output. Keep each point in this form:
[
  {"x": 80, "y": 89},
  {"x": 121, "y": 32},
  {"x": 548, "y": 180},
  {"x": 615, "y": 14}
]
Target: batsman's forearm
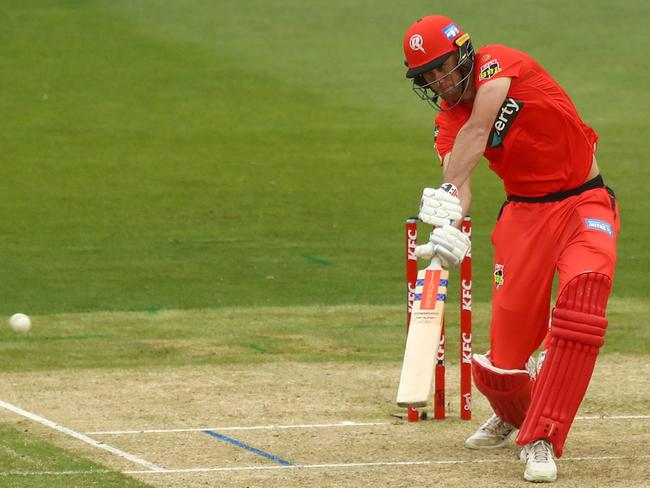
[
  {"x": 467, "y": 152},
  {"x": 465, "y": 197}
]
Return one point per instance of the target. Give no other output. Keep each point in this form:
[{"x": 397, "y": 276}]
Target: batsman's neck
[{"x": 594, "y": 171}]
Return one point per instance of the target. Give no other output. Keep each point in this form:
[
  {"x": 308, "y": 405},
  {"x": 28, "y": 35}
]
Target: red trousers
[{"x": 531, "y": 242}]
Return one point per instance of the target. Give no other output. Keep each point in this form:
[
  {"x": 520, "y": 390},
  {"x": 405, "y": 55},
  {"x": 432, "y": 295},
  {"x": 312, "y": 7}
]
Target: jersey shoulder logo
[
  {"x": 507, "y": 115},
  {"x": 489, "y": 69}
]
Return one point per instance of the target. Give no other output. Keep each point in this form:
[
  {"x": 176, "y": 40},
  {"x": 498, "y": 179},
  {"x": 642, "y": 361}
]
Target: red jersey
[{"x": 538, "y": 143}]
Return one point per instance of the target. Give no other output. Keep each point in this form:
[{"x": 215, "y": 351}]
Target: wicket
[{"x": 413, "y": 414}]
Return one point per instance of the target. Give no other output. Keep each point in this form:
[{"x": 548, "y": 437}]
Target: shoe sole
[{"x": 539, "y": 479}]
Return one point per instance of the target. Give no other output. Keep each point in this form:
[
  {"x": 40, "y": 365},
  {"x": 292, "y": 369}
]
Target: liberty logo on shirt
[{"x": 507, "y": 115}]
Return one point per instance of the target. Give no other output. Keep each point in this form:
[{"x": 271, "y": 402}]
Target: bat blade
[{"x": 423, "y": 338}]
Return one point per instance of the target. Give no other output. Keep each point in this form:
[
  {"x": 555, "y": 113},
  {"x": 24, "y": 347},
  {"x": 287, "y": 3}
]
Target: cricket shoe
[
  {"x": 540, "y": 466},
  {"x": 492, "y": 434}
]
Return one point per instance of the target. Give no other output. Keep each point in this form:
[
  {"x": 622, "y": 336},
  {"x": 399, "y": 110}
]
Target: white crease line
[
  {"x": 377, "y": 464},
  {"x": 614, "y": 417},
  {"x": 346, "y": 423},
  {"x": 79, "y": 436},
  {"x": 313, "y": 466}
]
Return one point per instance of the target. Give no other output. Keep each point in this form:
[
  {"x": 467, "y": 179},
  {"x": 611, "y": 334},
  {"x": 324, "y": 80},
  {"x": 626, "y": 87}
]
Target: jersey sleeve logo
[
  {"x": 507, "y": 115},
  {"x": 489, "y": 69}
]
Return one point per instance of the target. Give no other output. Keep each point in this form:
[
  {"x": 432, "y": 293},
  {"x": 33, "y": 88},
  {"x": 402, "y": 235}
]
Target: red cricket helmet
[
  {"x": 429, "y": 42},
  {"x": 427, "y": 45}
]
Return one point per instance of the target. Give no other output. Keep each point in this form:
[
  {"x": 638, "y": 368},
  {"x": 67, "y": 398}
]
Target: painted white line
[
  {"x": 378, "y": 464},
  {"x": 314, "y": 466},
  {"x": 614, "y": 417},
  {"x": 58, "y": 473},
  {"x": 79, "y": 436},
  {"x": 345, "y": 423}
]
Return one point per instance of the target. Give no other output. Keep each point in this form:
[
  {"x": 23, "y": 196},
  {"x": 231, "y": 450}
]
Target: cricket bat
[{"x": 423, "y": 337}]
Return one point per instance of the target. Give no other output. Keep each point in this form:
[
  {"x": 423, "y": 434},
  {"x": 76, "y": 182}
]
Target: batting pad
[
  {"x": 578, "y": 327},
  {"x": 507, "y": 390}
]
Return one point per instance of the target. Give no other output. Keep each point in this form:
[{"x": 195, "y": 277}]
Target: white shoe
[
  {"x": 492, "y": 434},
  {"x": 540, "y": 466}
]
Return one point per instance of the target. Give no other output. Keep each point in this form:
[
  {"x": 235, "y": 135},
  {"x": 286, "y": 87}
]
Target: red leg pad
[
  {"x": 507, "y": 390},
  {"x": 577, "y": 333}
]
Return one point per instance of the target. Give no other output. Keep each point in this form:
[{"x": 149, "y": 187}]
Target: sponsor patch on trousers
[
  {"x": 499, "y": 276},
  {"x": 599, "y": 225}
]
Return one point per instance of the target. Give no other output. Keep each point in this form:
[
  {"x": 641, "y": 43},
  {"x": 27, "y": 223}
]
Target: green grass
[
  {"x": 188, "y": 182},
  {"x": 29, "y": 462},
  {"x": 188, "y": 154},
  {"x": 246, "y": 335}
]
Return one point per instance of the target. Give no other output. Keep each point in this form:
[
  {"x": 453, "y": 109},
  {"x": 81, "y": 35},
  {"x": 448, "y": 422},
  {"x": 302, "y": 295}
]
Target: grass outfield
[
  {"x": 191, "y": 183},
  {"x": 188, "y": 154},
  {"x": 23, "y": 455},
  {"x": 241, "y": 335}
]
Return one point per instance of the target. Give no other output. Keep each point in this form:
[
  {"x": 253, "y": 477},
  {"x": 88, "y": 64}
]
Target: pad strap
[{"x": 507, "y": 390}]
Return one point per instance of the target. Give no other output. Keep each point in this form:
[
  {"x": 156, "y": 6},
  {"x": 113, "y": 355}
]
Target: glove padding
[
  {"x": 439, "y": 208},
  {"x": 449, "y": 243}
]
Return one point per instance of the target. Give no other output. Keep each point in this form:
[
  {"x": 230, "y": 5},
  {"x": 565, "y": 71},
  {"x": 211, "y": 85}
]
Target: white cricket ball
[{"x": 20, "y": 323}]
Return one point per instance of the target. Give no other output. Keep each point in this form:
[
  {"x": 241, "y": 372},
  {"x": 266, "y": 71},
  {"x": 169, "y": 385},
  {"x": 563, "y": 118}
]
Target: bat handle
[{"x": 435, "y": 263}]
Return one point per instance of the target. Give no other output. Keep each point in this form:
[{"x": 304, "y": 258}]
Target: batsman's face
[{"x": 446, "y": 80}]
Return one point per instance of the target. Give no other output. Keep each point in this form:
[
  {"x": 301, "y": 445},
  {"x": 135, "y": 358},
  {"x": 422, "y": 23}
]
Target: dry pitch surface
[{"x": 315, "y": 425}]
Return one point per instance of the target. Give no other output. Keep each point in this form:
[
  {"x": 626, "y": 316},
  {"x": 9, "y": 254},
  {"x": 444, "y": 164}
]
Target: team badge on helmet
[{"x": 415, "y": 43}]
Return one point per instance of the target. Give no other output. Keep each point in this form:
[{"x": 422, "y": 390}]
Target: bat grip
[{"x": 435, "y": 263}]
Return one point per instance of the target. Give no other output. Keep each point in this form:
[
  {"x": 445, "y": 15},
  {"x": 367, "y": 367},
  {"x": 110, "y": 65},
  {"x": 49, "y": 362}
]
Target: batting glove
[
  {"x": 448, "y": 243},
  {"x": 440, "y": 206}
]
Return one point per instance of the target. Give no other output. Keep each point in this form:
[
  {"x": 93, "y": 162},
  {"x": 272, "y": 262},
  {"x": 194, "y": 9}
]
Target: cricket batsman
[{"x": 558, "y": 217}]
